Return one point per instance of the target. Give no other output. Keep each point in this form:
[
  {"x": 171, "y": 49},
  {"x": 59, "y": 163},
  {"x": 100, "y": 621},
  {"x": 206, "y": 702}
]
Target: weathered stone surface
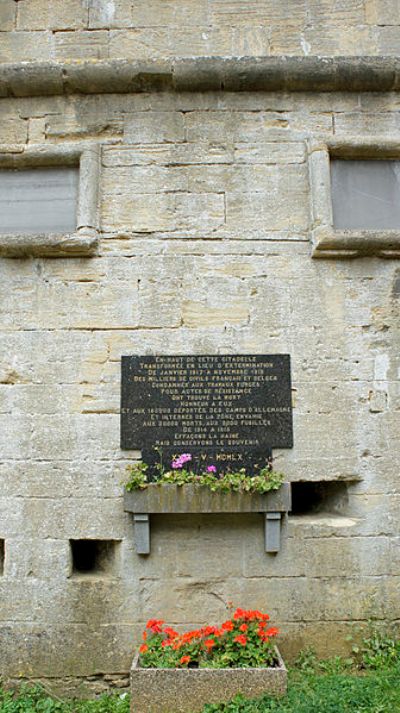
[
  {"x": 52, "y": 15},
  {"x": 205, "y": 249},
  {"x": 7, "y": 15}
]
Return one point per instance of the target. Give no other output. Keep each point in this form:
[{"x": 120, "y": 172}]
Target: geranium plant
[
  {"x": 246, "y": 640},
  {"x": 182, "y": 472}
]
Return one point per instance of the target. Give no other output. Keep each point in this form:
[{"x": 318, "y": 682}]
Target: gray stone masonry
[{"x": 199, "y": 223}]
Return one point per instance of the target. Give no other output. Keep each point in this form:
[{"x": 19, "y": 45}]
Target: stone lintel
[{"x": 235, "y": 74}]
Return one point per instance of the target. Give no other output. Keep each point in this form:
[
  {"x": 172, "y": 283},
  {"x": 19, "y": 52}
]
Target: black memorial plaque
[{"x": 228, "y": 411}]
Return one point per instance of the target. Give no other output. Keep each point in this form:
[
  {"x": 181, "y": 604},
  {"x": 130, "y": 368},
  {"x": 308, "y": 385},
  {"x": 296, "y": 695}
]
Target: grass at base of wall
[{"x": 371, "y": 692}]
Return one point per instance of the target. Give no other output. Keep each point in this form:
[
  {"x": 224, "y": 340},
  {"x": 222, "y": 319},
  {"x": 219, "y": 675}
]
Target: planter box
[
  {"x": 174, "y": 690},
  {"x": 167, "y": 499}
]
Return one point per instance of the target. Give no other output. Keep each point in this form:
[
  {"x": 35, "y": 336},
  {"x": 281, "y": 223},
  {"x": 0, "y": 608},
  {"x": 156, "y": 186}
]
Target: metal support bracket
[
  {"x": 142, "y": 533},
  {"x": 273, "y": 522}
]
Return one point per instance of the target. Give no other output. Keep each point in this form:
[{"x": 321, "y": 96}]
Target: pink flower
[
  {"x": 181, "y": 460},
  {"x": 211, "y": 469}
]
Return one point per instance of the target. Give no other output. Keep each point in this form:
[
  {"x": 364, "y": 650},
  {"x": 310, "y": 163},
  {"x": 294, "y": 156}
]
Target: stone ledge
[
  {"x": 79, "y": 244},
  {"x": 236, "y": 74}
]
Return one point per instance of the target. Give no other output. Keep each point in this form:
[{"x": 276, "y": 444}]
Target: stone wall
[
  {"x": 205, "y": 210},
  {"x": 205, "y": 201},
  {"x": 101, "y": 29}
]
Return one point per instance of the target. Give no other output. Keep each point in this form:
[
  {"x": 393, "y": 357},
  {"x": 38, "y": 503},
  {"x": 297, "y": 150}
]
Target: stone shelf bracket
[{"x": 187, "y": 499}]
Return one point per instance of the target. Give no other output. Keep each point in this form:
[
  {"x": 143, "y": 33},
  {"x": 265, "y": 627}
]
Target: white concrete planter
[{"x": 175, "y": 690}]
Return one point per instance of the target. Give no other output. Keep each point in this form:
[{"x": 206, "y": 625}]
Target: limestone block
[
  {"x": 167, "y": 154},
  {"x": 360, "y": 556},
  {"x": 263, "y": 152},
  {"x": 76, "y": 127},
  {"x": 81, "y": 45},
  {"x": 7, "y": 15},
  {"x": 256, "y": 178},
  {"x": 24, "y": 46},
  {"x": 17, "y": 436},
  {"x": 76, "y": 518},
  {"x": 52, "y": 15},
  {"x": 394, "y": 556},
  {"x": 36, "y": 130},
  {"x": 382, "y": 12},
  {"x": 131, "y": 179},
  {"x": 291, "y": 561},
  {"x": 251, "y": 40},
  {"x": 174, "y": 211},
  {"x": 385, "y": 123},
  {"x": 110, "y": 14},
  {"x": 202, "y": 314},
  {"x": 388, "y": 40},
  {"x": 168, "y": 13},
  {"x": 46, "y": 648},
  {"x": 47, "y": 559},
  {"x": 154, "y": 127},
  {"x": 257, "y": 12},
  {"x": 190, "y": 542},
  {"x": 17, "y": 601},
  {"x": 11, "y": 525},
  {"x": 268, "y": 210},
  {"x": 348, "y": 13},
  {"x": 322, "y": 39},
  {"x": 40, "y": 398},
  {"x": 170, "y": 42}
]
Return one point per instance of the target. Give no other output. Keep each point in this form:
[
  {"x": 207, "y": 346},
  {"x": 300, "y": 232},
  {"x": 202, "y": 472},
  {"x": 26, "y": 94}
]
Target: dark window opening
[
  {"x": 320, "y": 497},
  {"x": 93, "y": 556}
]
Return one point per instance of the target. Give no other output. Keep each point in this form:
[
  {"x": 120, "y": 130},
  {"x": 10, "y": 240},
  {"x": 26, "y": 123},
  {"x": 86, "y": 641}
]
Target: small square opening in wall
[
  {"x": 39, "y": 200},
  {"x": 365, "y": 194},
  {"x": 96, "y": 557},
  {"x": 2, "y": 554}
]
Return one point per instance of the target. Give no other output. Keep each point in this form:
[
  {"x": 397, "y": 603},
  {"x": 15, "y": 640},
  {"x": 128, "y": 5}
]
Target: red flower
[
  {"x": 227, "y": 626},
  {"x": 144, "y": 636},
  {"x": 155, "y": 625},
  {"x": 170, "y": 632},
  {"x": 209, "y": 643},
  {"x": 143, "y": 648},
  {"x": 239, "y": 614},
  {"x": 241, "y": 639},
  {"x": 243, "y": 627},
  {"x": 207, "y": 630},
  {"x": 166, "y": 642},
  {"x": 272, "y": 631},
  {"x": 184, "y": 659}
]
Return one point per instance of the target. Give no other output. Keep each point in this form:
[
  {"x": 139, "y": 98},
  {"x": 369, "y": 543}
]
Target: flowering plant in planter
[
  {"x": 246, "y": 640},
  {"x": 181, "y": 473}
]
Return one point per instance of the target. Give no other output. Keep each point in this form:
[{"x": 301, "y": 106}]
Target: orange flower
[
  {"x": 155, "y": 625},
  {"x": 170, "y": 632},
  {"x": 241, "y": 639},
  {"x": 144, "y": 636},
  {"x": 227, "y": 626},
  {"x": 184, "y": 659},
  {"x": 272, "y": 631},
  {"x": 209, "y": 643},
  {"x": 207, "y": 630},
  {"x": 143, "y": 648},
  {"x": 243, "y": 627}
]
